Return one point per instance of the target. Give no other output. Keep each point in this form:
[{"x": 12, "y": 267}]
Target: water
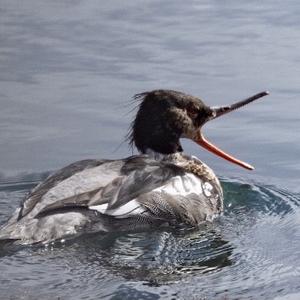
[{"x": 67, "y": 72}]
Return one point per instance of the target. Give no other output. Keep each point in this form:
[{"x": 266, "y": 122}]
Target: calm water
[{"x": 68, "y": 70}]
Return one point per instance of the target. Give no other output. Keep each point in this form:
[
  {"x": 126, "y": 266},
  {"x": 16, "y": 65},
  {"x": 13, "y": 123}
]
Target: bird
[{"x": 160, "y": 186}]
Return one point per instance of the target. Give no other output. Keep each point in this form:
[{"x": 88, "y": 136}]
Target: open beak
[{"x": 220, "y": 111}]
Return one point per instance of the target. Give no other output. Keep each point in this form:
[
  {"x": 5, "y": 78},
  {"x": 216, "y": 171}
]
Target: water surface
[{"x": 68, "y": 70}]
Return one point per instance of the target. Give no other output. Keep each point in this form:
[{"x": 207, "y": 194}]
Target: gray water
[{"x": 68, "y": 70}]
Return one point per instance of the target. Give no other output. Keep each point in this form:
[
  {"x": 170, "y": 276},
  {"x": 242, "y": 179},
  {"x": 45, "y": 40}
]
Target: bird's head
[{"x": 165, "y": 116}]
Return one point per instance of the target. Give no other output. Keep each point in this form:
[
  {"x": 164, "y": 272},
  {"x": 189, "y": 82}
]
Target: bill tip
[{"x": 249, "y": 167}]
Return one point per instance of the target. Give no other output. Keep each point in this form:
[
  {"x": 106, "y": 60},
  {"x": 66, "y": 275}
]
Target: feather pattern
[{"x": 138, "y": 190}]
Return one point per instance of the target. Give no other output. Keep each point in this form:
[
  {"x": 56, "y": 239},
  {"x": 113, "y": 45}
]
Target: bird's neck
[
  {"x": 176, "y": 157},
  {"x": 161, "y": 156}
]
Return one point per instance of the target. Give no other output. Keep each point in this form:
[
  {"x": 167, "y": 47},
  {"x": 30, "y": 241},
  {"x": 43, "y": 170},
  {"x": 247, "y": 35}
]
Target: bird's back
[{"x": 132, "y": 193}]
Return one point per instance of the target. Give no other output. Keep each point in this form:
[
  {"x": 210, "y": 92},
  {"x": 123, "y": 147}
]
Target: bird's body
[
  {"x": 161, "y": 186},
  {"x": 133, "y": 193}
]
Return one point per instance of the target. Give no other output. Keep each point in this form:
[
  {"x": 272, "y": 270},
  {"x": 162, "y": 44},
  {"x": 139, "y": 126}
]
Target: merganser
[{"x": 160, "y": 186}]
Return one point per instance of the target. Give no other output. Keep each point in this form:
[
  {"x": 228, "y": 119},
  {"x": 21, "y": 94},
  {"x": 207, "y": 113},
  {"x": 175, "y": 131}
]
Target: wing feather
[
  {"x": 123, "y": 189},
  {"x": 69, "y": 185}
]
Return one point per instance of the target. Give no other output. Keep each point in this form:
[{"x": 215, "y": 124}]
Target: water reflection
[{"x": 159, "y": 256}]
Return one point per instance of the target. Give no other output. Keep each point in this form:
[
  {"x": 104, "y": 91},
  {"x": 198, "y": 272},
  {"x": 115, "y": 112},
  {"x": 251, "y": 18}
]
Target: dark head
[{"x": 165, "y": 116}]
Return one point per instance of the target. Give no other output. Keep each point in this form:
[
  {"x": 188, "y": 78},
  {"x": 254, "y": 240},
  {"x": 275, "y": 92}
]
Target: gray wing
[
  {"x": 40, "y": 191},
  {"x": 134, "y": 187},
  {"x": 162, "y": 191},
  {"x": 106, "y": 186}
]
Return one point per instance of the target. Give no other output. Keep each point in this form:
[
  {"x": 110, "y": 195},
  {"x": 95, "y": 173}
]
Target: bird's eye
[{"x": 192, "y": 112}]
